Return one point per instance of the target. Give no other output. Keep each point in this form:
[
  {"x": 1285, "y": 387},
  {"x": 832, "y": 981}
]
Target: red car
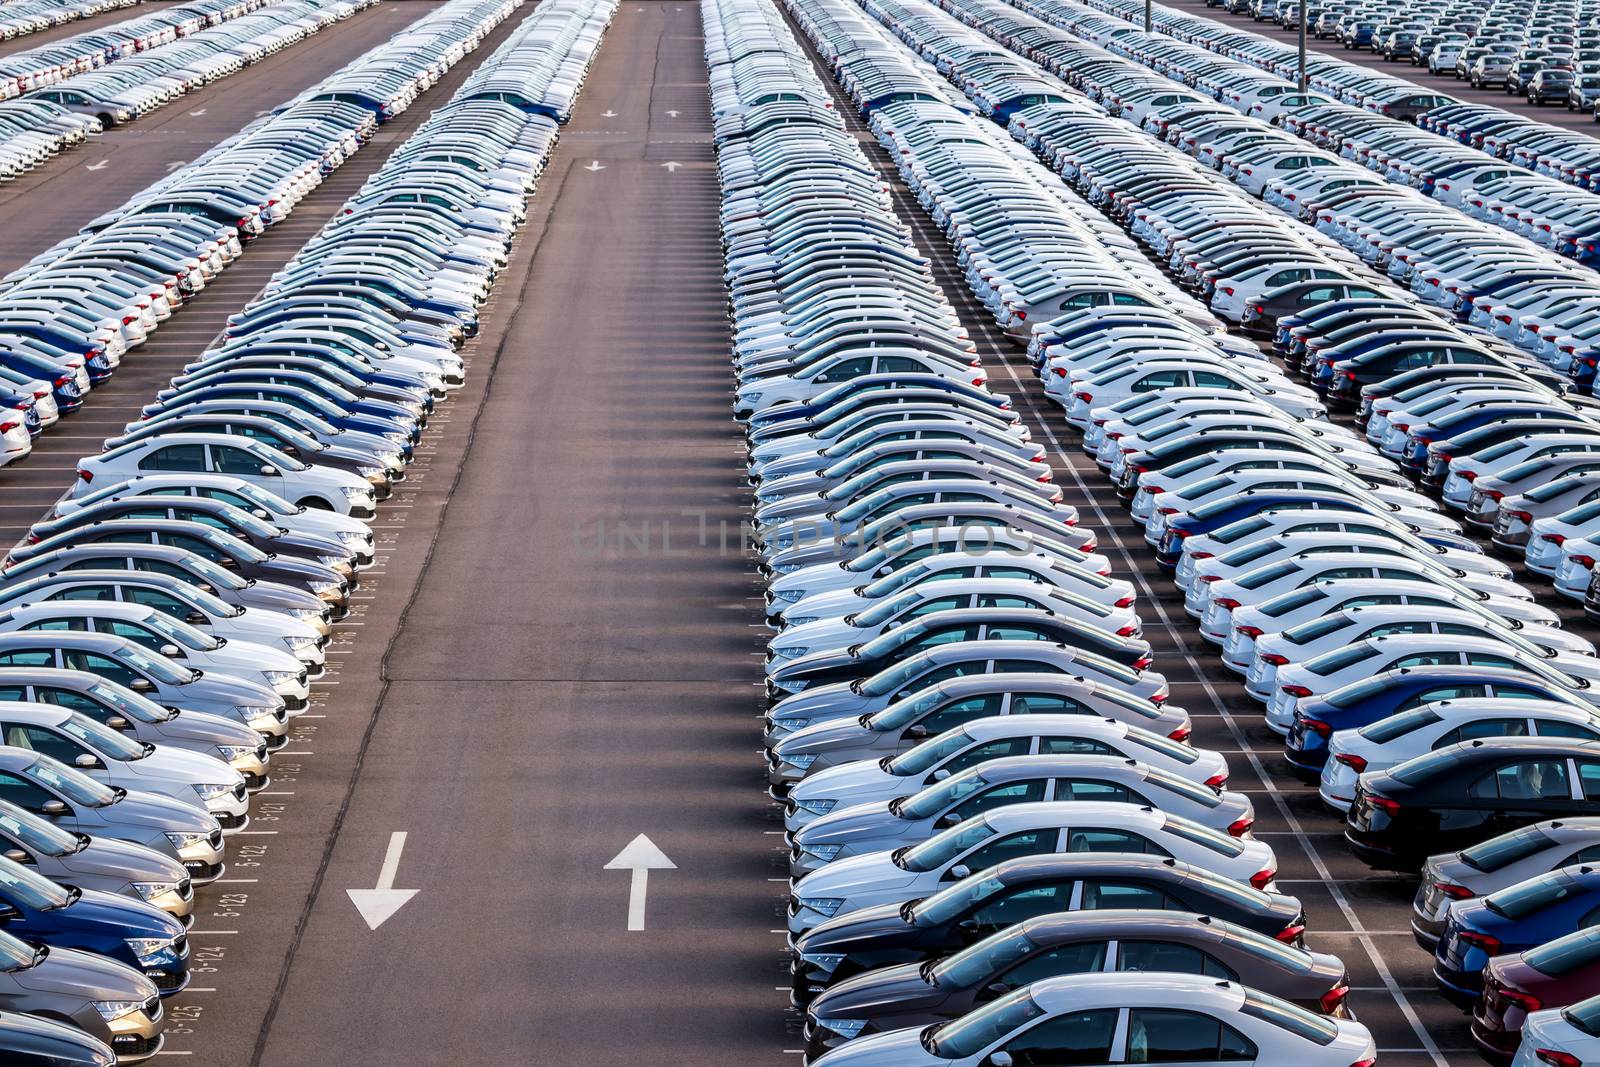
[{"x": 1554, "y": 975}]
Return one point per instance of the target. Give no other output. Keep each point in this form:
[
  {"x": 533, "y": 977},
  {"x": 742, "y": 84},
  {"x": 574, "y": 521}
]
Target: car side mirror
[
  {"x": 917, "y": 732},
  {"x": 172, "y": 651},
  {"x": 947, "y": 820},
  {"x": 17, "y": 855},
  {"x": 960, "y": 871},
  {"x": 228, "y": 562},
  {"x": 53, "y": 808},
  {"x": 997, "y": 988},
  {"x": 941, "y": 774},
  {"x": 269, "y": 470},
  {"x": 86, "y": 761},
  {"x": 141, "y": 685},
  {"x": 261, "y": 513},
  {"x": 117, "y": 722},
  {"x": 999, "y": 1059},
  {"x": 196, "y": 618}
]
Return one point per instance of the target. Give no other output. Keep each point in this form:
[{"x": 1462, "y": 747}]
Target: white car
[
  {"x": 1549, "y": 536},
  {"x": 1103, "y": 1019},
  {"x": 1316, "y": 637},
  {"x": 1383, "y": 744},
  {"x": 240, "y": 457},
  {"x": 878, "y": 878},
  {"x": 1561, "y": 1037},
  {"x": 956, "y": 749},
  {"x": 1365, "y": 659},
  {"x": 202, "y": 781}
]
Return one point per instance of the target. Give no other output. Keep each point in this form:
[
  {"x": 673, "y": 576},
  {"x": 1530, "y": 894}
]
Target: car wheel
[{"x": 316, "y": 503}]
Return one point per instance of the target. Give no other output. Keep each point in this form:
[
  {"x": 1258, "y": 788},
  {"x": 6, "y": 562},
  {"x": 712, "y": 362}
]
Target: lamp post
[
  {"x": 1147, "y": 16},
  {"x": 1302, "y": 21}
]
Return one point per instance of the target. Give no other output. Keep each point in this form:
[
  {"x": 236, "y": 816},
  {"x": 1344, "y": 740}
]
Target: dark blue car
[
  {"x": 129, "y": 931},
  {"x": 295, "y": 397},
  {"x": 1515, "y": 919},
  {"x": 1462, "y": 422},
  {"x": 29, "y": 1041},
  {"x": 1375, "y": 699},
  {"x": 63, "y": 379},
  {"x": 1218, "y": 513}
]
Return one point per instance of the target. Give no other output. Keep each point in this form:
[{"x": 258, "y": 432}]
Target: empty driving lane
[
  {"x": 576, "y": 666},
  {"x": 77, "y": 186}
]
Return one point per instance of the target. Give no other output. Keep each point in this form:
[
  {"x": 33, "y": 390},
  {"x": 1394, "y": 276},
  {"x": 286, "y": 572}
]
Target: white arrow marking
[
  {"x": 672, "y": 167},
  {"x": 377, "y": 905},
  {"x": 674, "y": 114},
  {"x": 594, "y": 166},
  {"x": 197, "y": 112},
  {"x": 175, "y": 165},
  {"x": 641, "y": 856},
  {"x": 102, "y": 165},
  {"x": 608, "y": 114}
]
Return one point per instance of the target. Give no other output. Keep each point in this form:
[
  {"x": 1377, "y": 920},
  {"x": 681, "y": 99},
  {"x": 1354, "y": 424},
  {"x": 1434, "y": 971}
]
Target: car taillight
[
  {"x": 1022, "y": 316},
  {"x": 1274, "y": 658},
  {"x": 1554, "y": 539},
  {"x": 1085, "y": 397},
  {"x": 1291, "y": 933},
  {"x": 1521, "y": 516},
  {"x": 1469, "y": 476},
  {"x": 1526, "y": 1001},
  {"x": 1061, "y": 372},
  {"x": 1389, "y": 807},
  {"x": 1180, "y": 734},
  {"x": 128, "y": 320},
  {"x": 1249, "y": 631},
  {"x": 87, "y": 476},
  {"x": 1241, "y": 826},
  {"x": 1142, "y": 662},
  {"x": 1125, "y": 602},
  {"x": 1128, "y": 630},
  {"x": 63, "y": 380},
  {"x": 1492, "y": 494},
  {"x": 1454, "y": 892},
  {"x": 1331, "y": 1001},
  {"x": 1586, "y": 562},
  {"x": 1355, "y": 763},
  {"x": 1557, "y": 1058},
  {"x": 1368, "y": 1062},
  {"x": 1488, "y": 943},
  {"x": 1296, "y": 691}
]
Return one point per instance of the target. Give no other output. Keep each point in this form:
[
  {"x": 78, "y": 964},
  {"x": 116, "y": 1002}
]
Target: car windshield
[
  {"x": 15, "y": 954},
  {"x": 102, "y": 738},
  {"x": 162, "y": 669},
  {"x": 214, "y": 573},
  {"x": 934, "y": 799},
  {"x": 180, "y": 633},
  {"x": 21, "y": 886},
  {"x": 1386, "y": 730},
  {"x": 899, "y": 579},
  {"x": 930, "y": 753},
  {"x": 36, "y": 833},
  {"x": 885, "y": 610},
  {"x": 1498, "y": 852},
  {"x": 909, "y": 709},
  {"x": 977, "y": 1030},
  {"x": 1534, "y": 895},
  {"x": 868, "y": 562},
  {"x": 941, "y": 848},
  {"x": 132, "y": 705},
  {"x": 990, "y": 956},
  {"x": 1565, "y": 954},
  {"x": 1340, "y": 658},
  {"x": 72, "y": 784},
  {"x": 271, "y": 503}
]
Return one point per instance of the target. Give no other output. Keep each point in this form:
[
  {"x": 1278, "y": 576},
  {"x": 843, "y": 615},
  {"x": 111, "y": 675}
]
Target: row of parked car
[
  {"x": 996, "y": 822},
  {"x": 23, "y": 17},
  {"x": 162, "y": 627},
  {"x": 1242, "y": 537}
]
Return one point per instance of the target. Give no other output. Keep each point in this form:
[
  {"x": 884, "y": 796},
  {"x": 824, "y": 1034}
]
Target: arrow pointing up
[
  {"x": 674, "y": 114},
  {"x": 608, "y": 114},
  {"x": 641, "y": 856},
  {"x": 672, "y": 167},
  {"x": 377, "y": 905},
  {"x": 595, "y": 165}
]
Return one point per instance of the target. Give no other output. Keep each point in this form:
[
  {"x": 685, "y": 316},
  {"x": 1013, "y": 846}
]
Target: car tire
[{"x": 316, "y": 503}]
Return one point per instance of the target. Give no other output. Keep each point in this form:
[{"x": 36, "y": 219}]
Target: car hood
[
  {"x": 152, "y": 810},
  {"x": 833, "y": 700},
  {"x": 84, "y": 974},
  {"x": 201, "y": 727},
  {"x": 898, "y": 1048},
  {"x": 115, "y": 916},
  {"x": 180, "y": 767},
  {"x": 845, "y": 932},
  {"x": 853, "y": 876},
  {"x": 824, "y": 736},
  {"x": 863, "y": 779},
  {"x": 857, "y": 823},
  {"x": 119, "y": 861},
  {"x": 898, "y": 989}
]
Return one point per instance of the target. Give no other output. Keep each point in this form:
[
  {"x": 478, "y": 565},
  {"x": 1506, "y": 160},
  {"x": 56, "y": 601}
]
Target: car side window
[
  {"x": 58, "y": 624},
  {"x": 227, "y": 460},
  {"x": 1012, "y": 793},
  {"x": 1164, "y": 1035},
  {"x": 960, "y": 711},
  {"x": 28, "y": 659},
  {"x": 1014, "y": 746},
  {"x": 1098, "y": 896},
  {"x": 13, "y": 692},
  {"x": 1589, "y": 778},
  {"x": 1045, "y": 704},
  {"x": 1012, "y": 846},
  {"x": 1525, "y": 780},
  {"x": 1169, "y": 957},
  {"x": 1488, "y": 659},
  {"x": 1013, "y": 633},
  {"x": 1167, "y": 379},
  {"x": 175, "y": 458},
  {"x": 1006, "y": 600},
  {"x": 95, "y": 663},
  {"x": 1425, "y": 659},
  {"x": 67, "y": 698},
  {"x": 22, "y": 792},
  {"x": 1557, "y": 728},
  {"x": 1090, "y": 789},
  {"x": 43, "y": 741},
  {"x": 1107, "y": 840},
  {"x": 163, "y": 602},
  {"x": 1484, "y": 728},
  {"x": 86, "y": 592},
  {"x": 1072, "y": 746},
  {"x": 1080, "y": 958},
  {"x": 928, "y": 607},
  {"x": 1211, "y": 380},
  {"x": 1076, "y": 1037},
  {"x": 1006, "y": 909}
]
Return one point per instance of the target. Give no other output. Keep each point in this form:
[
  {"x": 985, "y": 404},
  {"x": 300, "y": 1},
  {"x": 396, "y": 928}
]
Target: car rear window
[
  {"x": 1534, "y": 895},
  {"x": 1422, "y": 768},
  {"x": 1258, "y": 578},
  {"x": 1386, "y": 730},
  {"x": 1282, "y": 1014},
  {"x": 1585, "y": 1015},
  {"x": 1498, "y": 852},
  {"x": 1565, "y": 954}
]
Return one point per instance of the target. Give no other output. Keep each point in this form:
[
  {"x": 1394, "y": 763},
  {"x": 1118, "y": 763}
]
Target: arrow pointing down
[
  {"x": 641, "y": 856},
  {"x": 595, "y": 165},
  {"x": 672, "y": 168},
  {"x": 379, "y": 904}
]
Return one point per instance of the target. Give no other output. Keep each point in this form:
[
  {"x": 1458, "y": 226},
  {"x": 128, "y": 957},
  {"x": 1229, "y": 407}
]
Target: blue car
[
  {"x": 129, "y": 931},
  {"x": 1462, "y": 422},
  {"x": 63, "y": 379},
  {"x": 29, "y": 1041},
  {"x": 297, "y": 398},
  {"x": 1216, "y": 514},
  {"x": 1374, "y": 699},
  {"x": 1515, "y": 919}
]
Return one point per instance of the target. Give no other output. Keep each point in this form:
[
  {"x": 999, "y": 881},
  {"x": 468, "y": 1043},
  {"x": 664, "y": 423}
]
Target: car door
[
  {"x": 1079, "y": 957},
  {"x": 1514, "y": 793},
  {"x": 47, "y": 742},
  {"x": 1011, "y": 906},
  {"x": 1170, "y": 957},
  {"x": 1034, "y": 842},
  {"x": 1027, "y": 791},
  {"x": 1076, "y": 1037},
  {"x": 1508, "y": 726},
  {"x": 175, "y": 458}
]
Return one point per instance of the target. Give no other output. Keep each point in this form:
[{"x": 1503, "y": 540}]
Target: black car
[
  {"x": 1074, "y": 942},
  {"x": 1011, "y": 892},
  {"x": 1457, "y": 796},
  {"x": 29, "y": 1041}
]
